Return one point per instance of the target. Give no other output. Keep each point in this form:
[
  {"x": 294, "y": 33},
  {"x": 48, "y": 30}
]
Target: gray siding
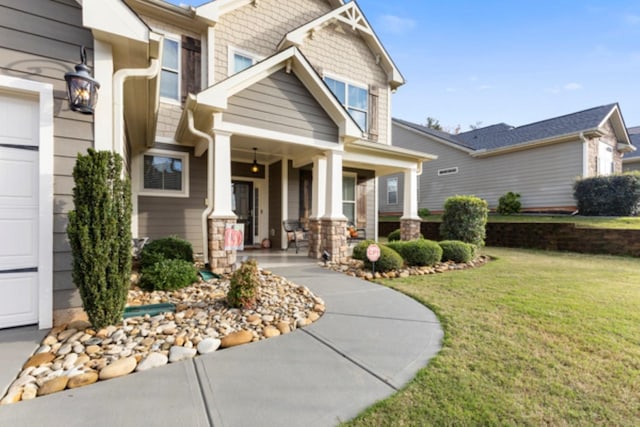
[
  {"x": 383, "y": 205},
  {"x": 281, "y": 103},
  {"x": 543, "y": 176},
  {"x": 275, "y": 202},
  {"x": 40, "y": 41},
  {"x": 630, "y": 167},
  {"x": 177, "y": 216}
]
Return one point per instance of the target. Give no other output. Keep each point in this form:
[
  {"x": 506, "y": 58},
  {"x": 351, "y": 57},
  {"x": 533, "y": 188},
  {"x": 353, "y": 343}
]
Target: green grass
[
  {"x": 531, "y": 338},
  {"x": 627, "y": 223}
]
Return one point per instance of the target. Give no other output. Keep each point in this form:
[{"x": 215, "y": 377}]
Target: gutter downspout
[
  {"x": 585, "y": 155},
  {"x": 209, "y": 202}
]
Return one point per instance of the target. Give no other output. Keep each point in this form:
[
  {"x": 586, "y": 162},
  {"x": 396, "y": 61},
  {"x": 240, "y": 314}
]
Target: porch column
[
  {"x": 333, "y": 228},
  {"x": 317, "y": 205},
  {"x": 222, "y": 217},
  {"x": 410, "y": 221}
]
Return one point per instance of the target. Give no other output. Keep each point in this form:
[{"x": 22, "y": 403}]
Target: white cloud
[
  {"x": 572, "y": 86},
  {"x": 395, "y": 24}
]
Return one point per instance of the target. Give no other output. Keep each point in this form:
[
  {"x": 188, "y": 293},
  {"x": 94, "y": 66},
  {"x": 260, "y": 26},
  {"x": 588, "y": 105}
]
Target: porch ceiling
[{"x": 270, "y": 151}]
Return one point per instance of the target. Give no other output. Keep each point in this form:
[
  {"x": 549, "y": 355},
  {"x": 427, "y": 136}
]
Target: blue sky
[{"x": 512, "y": 61}]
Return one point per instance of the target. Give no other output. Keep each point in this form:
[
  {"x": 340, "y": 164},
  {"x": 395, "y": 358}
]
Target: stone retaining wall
[{"x": 555, "y": 237}]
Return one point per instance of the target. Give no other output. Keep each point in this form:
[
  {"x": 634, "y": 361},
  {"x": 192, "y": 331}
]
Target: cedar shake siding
[{"x": 41, "y": 42}]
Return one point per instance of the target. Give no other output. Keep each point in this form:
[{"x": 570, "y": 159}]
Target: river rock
[
  {"x": 83, "y": 379},
  {"x": 118, "y": 368},
  {"x": 14, "y": 395},
  {"x": 313, "y": 316},
  {"x": 236, "y": 338},
  {"x": 49, "y": 340},
  {"x": 283, "y": 327},
  {"x": 53, "y": 385},
  {"x": 80, "y": 325},
  {"x": 92, "y": 349},
  {"x": 30, "y": 391},
  {"x": 153, "y": 360},
  {"x": 70, "y": 361},
  {"x": 177, "y": 354},
  {"x": 270, "y": 331},
  {"x": 39, "y": 359},
  {"x": 65, "y": 349},
  {"x": 208, "y": 345}
]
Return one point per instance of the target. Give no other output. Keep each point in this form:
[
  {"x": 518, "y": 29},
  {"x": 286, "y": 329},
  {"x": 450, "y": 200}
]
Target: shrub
[
  {"x": 465, "y": 219},
  {"x": 243, "y": 286},
  {"x": 418, "y": 252},
  {"x": 614, "y": 195},
  {"x": 360, "y": 250},
  {"x": 389, "y": 260},
  {"x": 457, "y": 251},
  {"x": 394, "y": 235},
  {"x": 99, "y": 234},
  {"x": 509, "y": 204},
  {"x": 171, "y": 247},
  {"x": 424, "y": 212},
  {"x": 168, "y": 275}
]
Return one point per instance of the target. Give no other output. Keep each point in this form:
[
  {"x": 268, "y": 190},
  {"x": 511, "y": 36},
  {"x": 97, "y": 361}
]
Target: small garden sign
[{"x": 373, "y": 254}]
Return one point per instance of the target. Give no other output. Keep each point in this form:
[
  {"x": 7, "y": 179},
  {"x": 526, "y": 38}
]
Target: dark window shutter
[
  {"x": 373, "y": 113},
  {"x": 191, "y": 52}
]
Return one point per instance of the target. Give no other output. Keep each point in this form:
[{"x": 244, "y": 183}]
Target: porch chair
[
  {"x": 297, "y": 235},
  {"x": 355, "y": 234}
]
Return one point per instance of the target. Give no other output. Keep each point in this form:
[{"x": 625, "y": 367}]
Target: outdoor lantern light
[
  {"x": 81, "y": 87},
  {"x": 254, "y": 166}
]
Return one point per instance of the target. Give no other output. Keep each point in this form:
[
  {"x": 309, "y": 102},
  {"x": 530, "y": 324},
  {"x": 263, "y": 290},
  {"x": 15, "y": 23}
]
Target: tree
[
  {"x": 99, "y": 233},
  {"x": 476, "y": 125},
  {"x": 433, "y": 124}
]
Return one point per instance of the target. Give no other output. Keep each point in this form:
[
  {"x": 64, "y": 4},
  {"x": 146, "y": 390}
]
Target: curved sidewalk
[{"x": 369, "y": 343}]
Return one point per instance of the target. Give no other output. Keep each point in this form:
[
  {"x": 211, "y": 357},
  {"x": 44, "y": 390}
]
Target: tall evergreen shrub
[
  {"x": 99, "y": 232},
  {"x": 465, "y": 219},
  {"x": 613, "y": 195}
]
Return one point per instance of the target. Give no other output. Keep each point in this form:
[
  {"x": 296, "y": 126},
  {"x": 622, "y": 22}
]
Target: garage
[{"x": 25, "y": 211}]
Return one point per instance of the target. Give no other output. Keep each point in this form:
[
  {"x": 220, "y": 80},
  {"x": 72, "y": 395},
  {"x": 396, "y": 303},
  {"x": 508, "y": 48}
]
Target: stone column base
[
  {"x": 333, "y": 238},
  {"x": 410, "y": 229},
  {"x": 220, "y": 261},
  {"x": 315, "y": 237}
]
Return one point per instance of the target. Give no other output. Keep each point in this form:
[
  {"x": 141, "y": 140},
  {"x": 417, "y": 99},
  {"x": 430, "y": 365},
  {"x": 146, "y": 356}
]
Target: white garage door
[{"x": 19, "y": 179}]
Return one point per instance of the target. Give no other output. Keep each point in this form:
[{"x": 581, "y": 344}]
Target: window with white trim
[
  {"x": 164, "y": 173},
  {"x": 447, "y": 171},
  {"x": 240, "y": 60},
  {"x": 170, "y": 76},
  {"x": 392, "y": 191},
  {"x": 349, "y": 197},
  {"x": 354, "y": 97}
]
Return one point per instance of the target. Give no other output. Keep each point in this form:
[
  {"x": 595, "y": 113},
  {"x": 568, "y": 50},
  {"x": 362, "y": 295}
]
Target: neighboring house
[
  {"x": 540, "y": 161},
  {"x": 631, "y": 161},
  {"x": 192, "y": 98}
]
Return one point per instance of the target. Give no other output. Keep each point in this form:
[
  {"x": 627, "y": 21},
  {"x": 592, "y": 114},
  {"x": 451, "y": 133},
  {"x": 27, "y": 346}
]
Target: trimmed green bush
[
  {"x": 243, "y": 287},
  {"x": 394, "y": 235},
  {"x": 613, "y": 195},
  {"x": 389, "y": 260},
  {"x": 171, "y": 247},
  {"x": 457, "y": 251},
  {"x": 99, "y": 234},
  {"x": 509, "y": 204},
  {"x": 168, "y": 275},
  {"x": 420, "y": 252},
  {"x": 465, "y": 219},
  {"x": 424, "y": 212},
  {"x": 360, "y": 250}
]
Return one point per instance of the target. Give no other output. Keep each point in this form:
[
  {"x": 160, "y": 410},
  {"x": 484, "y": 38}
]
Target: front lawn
[{"x": 531, "y": 338}]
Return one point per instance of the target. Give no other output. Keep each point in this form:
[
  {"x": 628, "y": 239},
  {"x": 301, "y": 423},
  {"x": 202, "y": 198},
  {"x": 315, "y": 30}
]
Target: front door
[{"x": 243, "y": 208}]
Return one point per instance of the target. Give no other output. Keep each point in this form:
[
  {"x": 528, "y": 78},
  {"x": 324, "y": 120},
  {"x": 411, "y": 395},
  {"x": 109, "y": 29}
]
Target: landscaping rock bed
[{"x": 75, "y": 355}]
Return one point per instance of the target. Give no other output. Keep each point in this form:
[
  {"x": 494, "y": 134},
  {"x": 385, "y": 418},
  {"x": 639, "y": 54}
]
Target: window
[
  {"x": 349, "y": 197},
  {"x": 354, "y": 98},
  {"x": 170, "y": 77},
  {"x": 392, "y": 191},
  {"x": 240, "y": 60},
  {"x": 447, "y": 171},
  {"x": 165, "y": 173}
]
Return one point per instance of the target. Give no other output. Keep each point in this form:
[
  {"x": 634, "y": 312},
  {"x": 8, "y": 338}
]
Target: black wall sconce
[
  {"x": 82, "y": 89},
  {"x": 255, "y": 168}
]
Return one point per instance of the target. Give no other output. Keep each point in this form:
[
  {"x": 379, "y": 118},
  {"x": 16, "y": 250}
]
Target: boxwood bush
[
  {"x": 613, "y": 195},
  {"x": 509, "y": 204},
  {"x": 360, "y": 250},
  {"x": 465, "y": 219},
  {"x": 389, "y": 260},
  {"x": 394, "y": 235},
  {"x": 419, "y": 252},
  {"x": 171, "y": 247},
  {"x": 168, "y": 275},
  {"x": 457, "y": 251}
]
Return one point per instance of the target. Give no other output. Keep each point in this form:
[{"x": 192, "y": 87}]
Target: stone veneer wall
[
  {"x": 553, "y": 237},
  {"x": 220, "y": 261},
  {"x": 409, "y": 229},
  {"x": 333, "y": 238}
]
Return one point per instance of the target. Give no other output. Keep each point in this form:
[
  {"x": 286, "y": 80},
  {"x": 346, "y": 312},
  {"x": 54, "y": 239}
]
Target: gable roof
[
  {"x": 213, "y": 10},
  {"x": 502, "y": 136},
  {"x": 441, "y": 135},
  {"x": 350, "y": 14},
  {"x": 634, "y": 135}
]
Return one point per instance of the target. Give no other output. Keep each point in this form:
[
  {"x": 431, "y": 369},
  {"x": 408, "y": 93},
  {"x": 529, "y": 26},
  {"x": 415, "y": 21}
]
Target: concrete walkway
[{"x": 369, "y": 343}]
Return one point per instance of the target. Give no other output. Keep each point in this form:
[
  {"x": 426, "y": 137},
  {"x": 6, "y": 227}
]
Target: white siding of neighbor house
[
  {"x": 40, "y": 41},
  {"x": 631, "y": 166},
  {"x": 544, "y": 176}
]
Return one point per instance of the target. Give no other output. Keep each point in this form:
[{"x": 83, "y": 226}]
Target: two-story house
[{"x": 247, "y": 112}]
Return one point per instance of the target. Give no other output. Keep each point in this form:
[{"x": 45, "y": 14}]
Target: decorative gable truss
[{"x": 351, "y": 15}]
